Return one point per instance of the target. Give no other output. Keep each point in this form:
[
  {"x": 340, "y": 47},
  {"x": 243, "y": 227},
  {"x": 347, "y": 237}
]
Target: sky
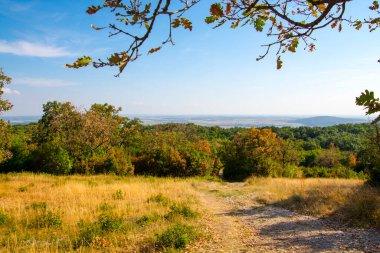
[{"x": 207, "y": 72}]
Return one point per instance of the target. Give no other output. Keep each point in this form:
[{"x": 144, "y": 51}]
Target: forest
[{"x": 99, "y": 140}]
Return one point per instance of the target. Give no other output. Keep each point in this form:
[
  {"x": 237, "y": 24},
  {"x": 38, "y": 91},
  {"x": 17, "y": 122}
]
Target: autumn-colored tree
[
  {"x": 288, "y": 23},
  {"x": 251, "y": 152},
  {"x": 5, "y": 105}
]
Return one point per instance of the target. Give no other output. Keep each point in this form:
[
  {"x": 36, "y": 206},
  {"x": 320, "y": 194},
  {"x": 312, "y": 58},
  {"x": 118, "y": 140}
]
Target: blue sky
[{"x": 207, "y": 71}]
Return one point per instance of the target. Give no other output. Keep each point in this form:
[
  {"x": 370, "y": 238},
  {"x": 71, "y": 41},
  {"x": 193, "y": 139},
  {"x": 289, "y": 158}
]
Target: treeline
[{"x": 67, "y": 140}]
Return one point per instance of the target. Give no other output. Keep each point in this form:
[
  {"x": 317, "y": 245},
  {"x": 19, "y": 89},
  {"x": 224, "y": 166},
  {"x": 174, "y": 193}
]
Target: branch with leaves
[
  {"x": 141, "y": 19},
  {"x": 288, "y": 23},
  {"x": 370, "y": 103}
]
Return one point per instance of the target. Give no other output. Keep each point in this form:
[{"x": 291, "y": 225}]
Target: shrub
[
  {"x": 105, "y": 207},
  {"x": 176, "y": 237},
  {"x": 87, "y": 233},
  {"x": 364, "y": 211},
  {"x": 109, "y": 222},
  {"x": 181, "y": 210},
  {"x": 3, "y": 218},
  {"x": 118, "y": 195},
  {"x": 160, "y": 199},
  {"x": 148, "y": 219},
  {"x": 54, "y": 160},
  {"x": 375, "y": 176},
  {"x": 46, "y": 219}
]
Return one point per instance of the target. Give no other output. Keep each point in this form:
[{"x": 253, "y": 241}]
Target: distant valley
[{"x": 224, "y": 121}]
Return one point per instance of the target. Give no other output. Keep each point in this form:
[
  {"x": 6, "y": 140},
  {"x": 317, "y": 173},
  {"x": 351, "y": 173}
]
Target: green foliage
[
  {"x": 55, "y": 160},
  {"x": 5, "y": 105},
  {"x": 105, "y": 207},
  {"x": 118, "y": 195},
  {"x": 252, "y": 152},
  {"x": 172, "y": 153},
  {"x": 146, "y": 219},
  {"x": 160, "y": 199},
  {"x": 98, "y": 140},
  {"x": 4, "y": 219},
  {"x": 372, "y": 106},
  {"x": 119, "y": 162},
  {"x": 109, "y": 222},
  {"x": 370, "y": 103},
  {"x": 181, "y": 210},
  {"x": 87, "y": 233},
  {"x": 176, "y": 237},
  {"x": 46, "y": 219},
  {"x": 39, "y": 206}
]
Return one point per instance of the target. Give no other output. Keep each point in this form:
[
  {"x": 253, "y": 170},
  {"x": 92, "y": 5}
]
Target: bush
[
  {"x": 105, "y": 207},
  {"x": 160, "y": 199},
  {"x": 54, "y": 160},
  {"x": 177, "y": 236},
  {"x": 46, "y": 219},
  {"x": 336, "y": 172},
  {"x": 375, "y": 176},
  {"x": 174, "y": 154},
  {"x": 109, "y": 222},
  {"x": 148, "y": 219},
  {"x": 88, "y": 232},
  {"x": 363, "y": 212},
  {"x": 118, "y": 195},
  {"x": 181, "y": 210},
  {"x": 3, "y": 218}
]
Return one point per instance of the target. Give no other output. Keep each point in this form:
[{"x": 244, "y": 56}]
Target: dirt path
[{"x": 239, "y": 224}]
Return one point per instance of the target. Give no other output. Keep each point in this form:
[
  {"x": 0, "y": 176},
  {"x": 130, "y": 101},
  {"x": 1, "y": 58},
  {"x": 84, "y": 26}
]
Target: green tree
[
  {"x": 372, "y": 107},
  {"x": 5, "y": 105},
  {"x": 288, "y": 23},
  {"x": 85, "y": 142}
]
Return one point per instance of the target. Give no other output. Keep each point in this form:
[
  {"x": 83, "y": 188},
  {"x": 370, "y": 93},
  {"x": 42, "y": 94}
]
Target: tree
[
  {"x": 251, "y": 152},
  {"x": 5, "y": 105},
  {"x": 87, "y": 141},
  {"x": 372, "y": 106},
  {"x": 287, "y": 22}
]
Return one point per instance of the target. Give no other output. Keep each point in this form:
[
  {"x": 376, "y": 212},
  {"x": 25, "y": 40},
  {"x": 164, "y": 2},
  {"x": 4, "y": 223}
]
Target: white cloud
[
  {"x": 10, "y": 91},
  {"x": 25, "y": 48},
  {"x": 44, "y": 82}
]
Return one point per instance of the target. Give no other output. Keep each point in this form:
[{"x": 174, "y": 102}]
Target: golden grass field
[
  {"x": 34, "y": 205},
  {"x": 347, "y": 200},
  {"x": 42, "y": 213}
]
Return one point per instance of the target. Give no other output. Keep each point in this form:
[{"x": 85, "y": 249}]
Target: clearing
[{"x": 42, "y": 213}]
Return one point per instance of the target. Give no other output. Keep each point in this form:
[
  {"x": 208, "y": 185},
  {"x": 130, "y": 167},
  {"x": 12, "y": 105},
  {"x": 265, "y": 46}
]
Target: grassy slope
[
  {"x": 93, "y": 213},
  {"x": 41, "y": 213}
]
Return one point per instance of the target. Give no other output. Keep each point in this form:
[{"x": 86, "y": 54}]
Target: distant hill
[{"x": 323, "y": 121}]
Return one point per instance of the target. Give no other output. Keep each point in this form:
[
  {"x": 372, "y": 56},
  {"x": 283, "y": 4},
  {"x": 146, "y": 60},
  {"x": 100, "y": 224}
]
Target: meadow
[
  {"x": 105, "y": 213},
  {"x": 41, "y": 213}
]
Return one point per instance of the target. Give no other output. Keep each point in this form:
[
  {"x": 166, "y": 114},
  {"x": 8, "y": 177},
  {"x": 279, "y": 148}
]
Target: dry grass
[
  {"x": 41, "y": 213},
  {"x": 347, "y": 200}
]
